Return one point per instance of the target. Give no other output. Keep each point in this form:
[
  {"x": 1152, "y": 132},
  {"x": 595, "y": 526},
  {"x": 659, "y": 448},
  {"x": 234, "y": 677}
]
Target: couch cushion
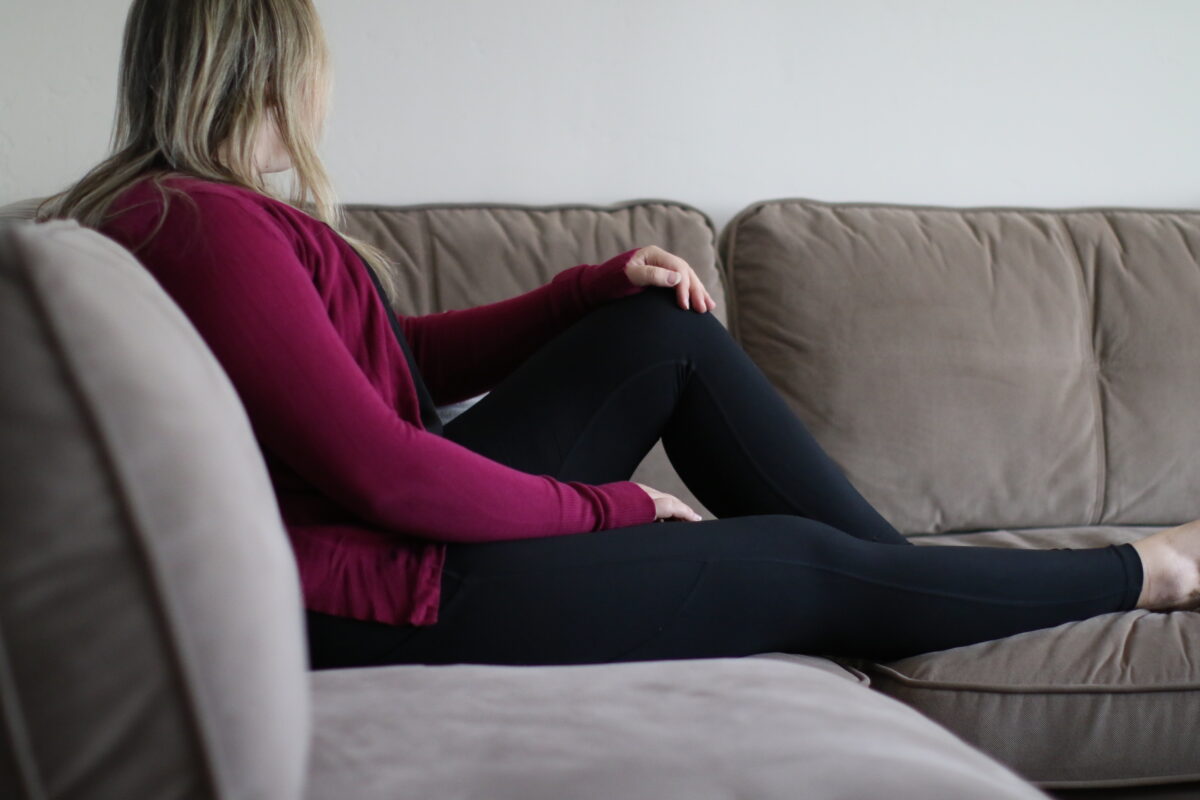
[
  {"x": 151, "y": 633},
  {"x": 984, "y": 368},
  {"x": 1108, "y": 701},
  {"x": 459, "y": 256},
  {"x": 696, "y": 729}
]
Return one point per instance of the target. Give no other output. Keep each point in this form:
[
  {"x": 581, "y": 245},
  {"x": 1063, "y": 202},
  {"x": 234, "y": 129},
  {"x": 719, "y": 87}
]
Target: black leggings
[{"x": 797, "y": 560}]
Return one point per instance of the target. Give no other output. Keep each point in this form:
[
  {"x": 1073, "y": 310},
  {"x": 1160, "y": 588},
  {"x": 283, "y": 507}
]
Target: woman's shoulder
[
  {"x": 156, "y": 193},
  {"x": 179, "y": 203}
]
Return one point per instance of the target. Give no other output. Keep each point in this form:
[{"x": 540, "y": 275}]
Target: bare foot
[{"x": 1171, "y": 569}]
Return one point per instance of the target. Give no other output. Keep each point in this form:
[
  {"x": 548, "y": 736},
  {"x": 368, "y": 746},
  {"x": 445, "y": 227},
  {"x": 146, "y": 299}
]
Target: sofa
[{"x": 1001, "y": 377}]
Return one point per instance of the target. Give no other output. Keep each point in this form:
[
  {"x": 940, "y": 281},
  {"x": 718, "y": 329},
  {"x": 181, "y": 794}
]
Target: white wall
[{"x": 955, "y": 102}]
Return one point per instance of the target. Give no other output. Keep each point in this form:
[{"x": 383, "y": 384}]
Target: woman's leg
[
  {"x": 732, "y": 587},
  {"x": 588, "y": 406},
  {"x": 591, "y": 402}
]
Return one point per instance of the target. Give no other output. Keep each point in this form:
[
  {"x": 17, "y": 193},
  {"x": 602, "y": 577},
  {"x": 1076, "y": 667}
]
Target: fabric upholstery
[
  {"x": 1027, "y": 376},
  {"x": 984, "y": 368},
  {"x": 20, "y": 210},
  {"x": 962, "y": 365},
  {"x": 151, "y": 636},
  {"x": 1107, "y": 701},
  {"x": 458, "y": 256},
  {"x": 704, "y": 729},
  {"x": 1172, "y": 791}
]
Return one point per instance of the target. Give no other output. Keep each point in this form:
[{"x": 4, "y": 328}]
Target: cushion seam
[
  {"x": 1118, "y": 783},
  {"x": 1076, "y": 688},
  {"x": 1089, "y": 324}
]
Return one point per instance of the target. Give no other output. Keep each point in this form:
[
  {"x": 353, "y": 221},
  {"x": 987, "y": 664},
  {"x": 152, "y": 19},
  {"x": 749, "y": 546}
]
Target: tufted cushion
[
  {"x": 984, "y": 368},
  {"x": 151, "y": 637},
  {"x": 459, "y": 256}
]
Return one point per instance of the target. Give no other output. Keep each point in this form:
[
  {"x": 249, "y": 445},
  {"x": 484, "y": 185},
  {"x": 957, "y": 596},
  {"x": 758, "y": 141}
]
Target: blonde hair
[{"x": 198, "y": 80}]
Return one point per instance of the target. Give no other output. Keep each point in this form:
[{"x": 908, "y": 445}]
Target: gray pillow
[{"x": 151, "y": 633}]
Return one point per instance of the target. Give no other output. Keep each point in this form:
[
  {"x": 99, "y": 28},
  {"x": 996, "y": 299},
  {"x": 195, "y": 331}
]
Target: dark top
[{"x": 429, "y": 415}]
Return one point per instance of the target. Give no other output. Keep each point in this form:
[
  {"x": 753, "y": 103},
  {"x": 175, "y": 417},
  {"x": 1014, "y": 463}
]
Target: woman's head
[
  {"x": 202, "y": 80},
  {"x": 225, "y": 90}
]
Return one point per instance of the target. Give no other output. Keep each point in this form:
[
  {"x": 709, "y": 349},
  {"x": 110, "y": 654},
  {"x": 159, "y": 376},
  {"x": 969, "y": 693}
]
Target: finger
[
  {"x": 678, "y": 509},
  {"x": 658, "y": 276},
  {"x": 683, "y": 292},
  {"x": 686, "y": 513},
  {"x": 698, "y": 296},
  {"x": 656, "y": 255}
]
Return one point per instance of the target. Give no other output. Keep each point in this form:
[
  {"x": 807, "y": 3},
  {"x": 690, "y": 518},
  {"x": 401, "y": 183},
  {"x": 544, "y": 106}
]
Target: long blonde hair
[{"x": 198, "y": 80}]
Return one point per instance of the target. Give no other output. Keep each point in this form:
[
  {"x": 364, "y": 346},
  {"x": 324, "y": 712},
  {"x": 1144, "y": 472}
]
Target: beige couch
[{"x": 1023, "y": 375}]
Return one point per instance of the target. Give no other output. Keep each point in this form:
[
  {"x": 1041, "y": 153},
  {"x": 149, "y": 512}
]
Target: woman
[{"x": 512, "y": 534}]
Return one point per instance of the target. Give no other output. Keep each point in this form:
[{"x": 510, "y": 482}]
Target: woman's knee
[{"x": 656, "y": 312}]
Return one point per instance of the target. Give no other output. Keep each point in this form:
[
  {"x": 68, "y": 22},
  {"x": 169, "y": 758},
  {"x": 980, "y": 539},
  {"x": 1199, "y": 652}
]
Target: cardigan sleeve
[
  {"x": 463, "y": 353},
  {"x": 231, "y": 269}
]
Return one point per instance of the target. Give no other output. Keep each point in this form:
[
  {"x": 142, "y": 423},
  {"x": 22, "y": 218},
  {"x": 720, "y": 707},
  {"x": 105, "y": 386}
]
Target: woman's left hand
[{"x": 653, "y": 266}]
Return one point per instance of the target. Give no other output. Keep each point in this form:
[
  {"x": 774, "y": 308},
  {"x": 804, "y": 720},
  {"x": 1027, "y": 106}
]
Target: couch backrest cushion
[
  {"x": 151, "y": 633},
  {"x": 459, "y": 256},
  {"x": 984, "y": 368},
  {"x": 20, "y": 210}
]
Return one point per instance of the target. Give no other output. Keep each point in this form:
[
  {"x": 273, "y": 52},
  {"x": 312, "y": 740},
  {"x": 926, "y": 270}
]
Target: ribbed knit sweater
[{"x": 368, "y": 496}]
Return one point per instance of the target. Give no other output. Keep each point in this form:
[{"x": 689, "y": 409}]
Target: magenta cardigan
[{"x": 368, "y": 496}]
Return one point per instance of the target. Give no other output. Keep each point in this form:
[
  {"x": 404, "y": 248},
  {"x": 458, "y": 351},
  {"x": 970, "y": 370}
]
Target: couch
[{"x": 1006, "y": 377}]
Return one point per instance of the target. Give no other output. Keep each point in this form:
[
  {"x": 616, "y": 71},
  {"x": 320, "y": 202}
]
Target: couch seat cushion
[
  {"x": 1109, "y": 701},
  {"x": 696, "y": 729}
]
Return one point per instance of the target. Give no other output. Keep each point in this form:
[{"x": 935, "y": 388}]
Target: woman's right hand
[{"x": 669, "y": 507}]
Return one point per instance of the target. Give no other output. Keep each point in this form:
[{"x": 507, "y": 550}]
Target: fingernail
[{"x": 674, "y": 279}]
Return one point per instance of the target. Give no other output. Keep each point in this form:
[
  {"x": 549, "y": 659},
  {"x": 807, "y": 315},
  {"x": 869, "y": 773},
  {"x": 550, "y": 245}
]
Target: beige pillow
[{"x": 151, "y": 635}]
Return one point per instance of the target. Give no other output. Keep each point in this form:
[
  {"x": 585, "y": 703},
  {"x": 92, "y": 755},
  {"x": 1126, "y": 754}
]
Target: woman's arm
[
  {"x": 253, "y": 301},
  {"x": 466, "y": 352}
]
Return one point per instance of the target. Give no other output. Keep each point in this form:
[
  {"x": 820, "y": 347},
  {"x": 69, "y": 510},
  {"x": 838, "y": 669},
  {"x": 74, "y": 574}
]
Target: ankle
[{"x": 1170, "y": 577}]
